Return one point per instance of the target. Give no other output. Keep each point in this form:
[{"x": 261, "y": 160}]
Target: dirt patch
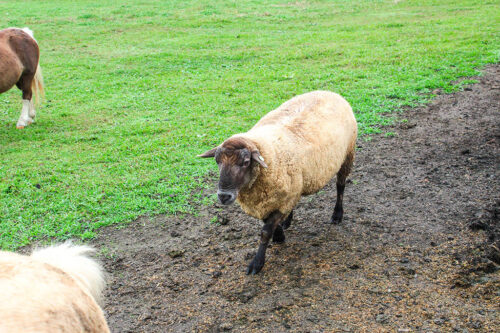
[{"x": 418, "y": 249}]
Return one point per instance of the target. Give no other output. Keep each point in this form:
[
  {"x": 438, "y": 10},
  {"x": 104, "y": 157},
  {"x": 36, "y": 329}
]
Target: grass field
[{"x": 135, "y": 91}]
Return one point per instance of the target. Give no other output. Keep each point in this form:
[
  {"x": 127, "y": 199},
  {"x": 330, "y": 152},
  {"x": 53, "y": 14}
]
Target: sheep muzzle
[{"x": 226, "y": 197}]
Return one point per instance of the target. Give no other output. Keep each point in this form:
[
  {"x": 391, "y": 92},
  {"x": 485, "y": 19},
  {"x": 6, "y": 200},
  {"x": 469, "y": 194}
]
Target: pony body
[{"x": 19, "y": 65}]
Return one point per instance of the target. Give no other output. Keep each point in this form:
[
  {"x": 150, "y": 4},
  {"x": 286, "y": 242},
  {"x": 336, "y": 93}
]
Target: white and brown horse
[{"x": 19, "y": 55}]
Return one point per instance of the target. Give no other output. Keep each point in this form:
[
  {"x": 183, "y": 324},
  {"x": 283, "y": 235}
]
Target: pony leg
[
  {"x": 24, "y": 84},
  {"x": 37, "y": 90},
  {"x": 32, "y": 112},
  {"x": 24, "y": 119}
]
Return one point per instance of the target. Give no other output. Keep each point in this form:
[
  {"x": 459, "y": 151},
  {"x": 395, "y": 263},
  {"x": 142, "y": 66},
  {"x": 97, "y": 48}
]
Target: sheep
[
  {"x": 291, "y": 152},
  {"x": 55, "y": 289}
]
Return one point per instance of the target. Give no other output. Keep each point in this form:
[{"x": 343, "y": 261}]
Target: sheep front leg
[{"x": 271, "y": 223}]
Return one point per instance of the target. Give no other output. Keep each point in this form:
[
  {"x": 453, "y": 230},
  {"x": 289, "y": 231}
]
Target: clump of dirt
[
  {"x": 481, "y": 257},
  {"x": 417, "y": 250},
  {"x": 489, "y": 222}
]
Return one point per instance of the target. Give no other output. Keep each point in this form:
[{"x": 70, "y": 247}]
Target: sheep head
[{"x": 236, "y": 158}]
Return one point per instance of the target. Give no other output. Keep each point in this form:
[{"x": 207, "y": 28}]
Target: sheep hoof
[
  {"x": 255, "y": 266},
  {"x": 336, "y": 217},
  {"x": 279, "y": 236}
]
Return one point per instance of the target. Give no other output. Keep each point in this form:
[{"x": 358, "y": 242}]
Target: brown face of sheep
[{"x": 235, "y": 168}]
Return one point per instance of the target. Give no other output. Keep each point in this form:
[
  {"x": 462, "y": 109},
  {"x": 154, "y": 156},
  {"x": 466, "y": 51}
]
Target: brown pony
[{"x": 19, "y": 55}]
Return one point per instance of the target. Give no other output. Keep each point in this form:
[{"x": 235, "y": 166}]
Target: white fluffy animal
[{"x": 56, "y": 289}]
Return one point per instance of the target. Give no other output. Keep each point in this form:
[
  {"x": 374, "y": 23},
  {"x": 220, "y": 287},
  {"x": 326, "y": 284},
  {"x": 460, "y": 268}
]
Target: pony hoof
[{"x": 19, "y": 127}]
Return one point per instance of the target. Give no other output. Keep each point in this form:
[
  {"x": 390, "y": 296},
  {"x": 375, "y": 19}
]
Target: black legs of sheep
[
  {"x": 276, "y": 222},
  {"x": 338, "y": 211},
  {"x": 344, "y": 171},
  {"x": 279, "y": 234},
  {"x": 272, "y": 222},
  {"x": 288, "y": 221}
]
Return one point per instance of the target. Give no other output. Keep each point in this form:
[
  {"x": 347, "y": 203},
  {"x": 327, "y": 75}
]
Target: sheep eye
[{"x": 246, "y": 163}]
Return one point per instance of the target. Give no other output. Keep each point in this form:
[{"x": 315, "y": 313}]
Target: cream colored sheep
[
  {"x": 292, "y": 151},
  {"x": 56, "y": 289}
]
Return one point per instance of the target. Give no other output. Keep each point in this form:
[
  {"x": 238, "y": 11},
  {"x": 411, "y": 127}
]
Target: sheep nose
[{"x": 225, "y": 198}]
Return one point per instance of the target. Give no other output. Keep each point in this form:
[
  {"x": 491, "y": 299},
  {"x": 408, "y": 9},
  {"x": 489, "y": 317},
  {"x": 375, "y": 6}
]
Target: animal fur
[
  {"x": 56, "y": 289},
  {"x": 304, "y": 142},
  {"x": 14, "y": 43},
  {"x": 19, "y": 65}
]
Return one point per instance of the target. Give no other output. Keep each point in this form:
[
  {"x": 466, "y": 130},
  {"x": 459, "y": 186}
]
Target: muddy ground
[{"x": 418, "y": 250}]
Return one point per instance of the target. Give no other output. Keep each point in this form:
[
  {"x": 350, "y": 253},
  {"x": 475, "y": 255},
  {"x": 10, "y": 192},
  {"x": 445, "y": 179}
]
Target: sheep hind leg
[
  {"x": 288, "y": 221},
  {"x": 271, "y": 223},
  {"x": 279, "y": 234},
  {"x": 338, "y": 211},
  {"x": 345, "y": 169}
]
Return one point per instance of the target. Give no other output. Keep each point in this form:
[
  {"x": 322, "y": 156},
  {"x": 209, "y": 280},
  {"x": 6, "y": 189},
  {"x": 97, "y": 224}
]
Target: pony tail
[
  {"x": 37, "y": 82},
  {"x": 37, "y": 85},
  {"x": 75, "y": 261}
]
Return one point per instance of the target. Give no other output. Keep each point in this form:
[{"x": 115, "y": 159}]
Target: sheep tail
[{"x": 75, "y": 260}]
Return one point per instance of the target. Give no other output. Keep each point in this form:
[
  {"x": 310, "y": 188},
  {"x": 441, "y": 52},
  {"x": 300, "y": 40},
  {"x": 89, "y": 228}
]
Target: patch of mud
[{"x": 418, "y": 248}]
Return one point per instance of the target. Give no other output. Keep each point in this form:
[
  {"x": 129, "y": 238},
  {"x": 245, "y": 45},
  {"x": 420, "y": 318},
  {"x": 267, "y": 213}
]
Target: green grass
[{"x": 135, "y": 91}]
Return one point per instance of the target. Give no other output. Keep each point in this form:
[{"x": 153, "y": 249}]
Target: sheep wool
[{"x": 304, "y": 142}]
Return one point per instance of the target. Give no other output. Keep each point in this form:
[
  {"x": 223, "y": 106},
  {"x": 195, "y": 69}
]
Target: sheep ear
[
  {"x": 256, "y": 156},
  {"x": 209, "y": 153}
]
